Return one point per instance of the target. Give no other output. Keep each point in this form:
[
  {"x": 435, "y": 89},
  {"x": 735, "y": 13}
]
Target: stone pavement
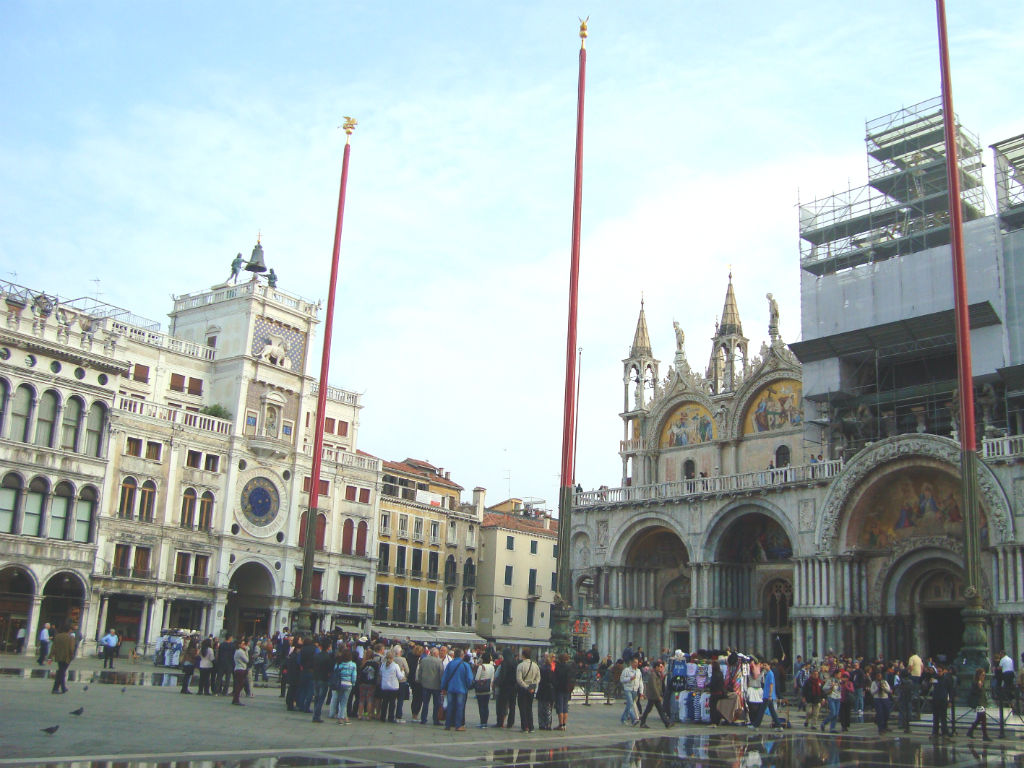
[{"x": 127, "y": 716}]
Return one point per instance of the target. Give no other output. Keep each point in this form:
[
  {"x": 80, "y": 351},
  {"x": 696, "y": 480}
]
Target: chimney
[
  {"x": 447, "y": 475},
  {"x": 478, "y": 501}
]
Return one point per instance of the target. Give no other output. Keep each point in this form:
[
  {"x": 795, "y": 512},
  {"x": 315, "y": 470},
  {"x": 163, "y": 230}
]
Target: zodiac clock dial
[{"x": 260, "y": 501}]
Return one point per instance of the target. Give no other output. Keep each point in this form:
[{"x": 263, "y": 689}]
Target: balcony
[
  {"x": 506, "y": 620},
  {"x": 182, "y": 578},
  {"x": 469, "y": 580},
  {"x": 417, "y": 536},
  {"x": 399, "y": 570},
  {"x": 534, "y": 591},
  {"x": 806, "y": 474},
  {"x": 380, "y": 613},
  {"x": 385, "y": 530},
  {"x": 201, "y": 581},
  {"x": 451, "y": 579},
  {"x": 120, "y": 571},
  {"x": 1003, "y": 448},
  {"x": 191, "y": 419},
  {"x": 345, "y": 458},
  {"x": 435, "y": 540},
  {"x": 350, "y": 599},
  {"x": 382, "y": 567},
  {"x": 416, "y": 573},
  {"x": 403, "y": 533},
  {"x": 142, "y": 573},
  {"x": 432, "y": 576}
]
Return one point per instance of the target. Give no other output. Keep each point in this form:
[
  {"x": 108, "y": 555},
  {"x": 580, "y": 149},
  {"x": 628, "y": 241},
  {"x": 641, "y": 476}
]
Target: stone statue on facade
[
  {"x": 236, "y": 268},
  {"x": 773, "y": 317},
  {"x": 680, "y": 336}
]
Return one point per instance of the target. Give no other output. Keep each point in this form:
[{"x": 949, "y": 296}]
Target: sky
[{"x": 144, "y": 144}]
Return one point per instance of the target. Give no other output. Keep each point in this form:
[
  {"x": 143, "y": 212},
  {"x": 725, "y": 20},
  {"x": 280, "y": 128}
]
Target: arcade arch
[{"x": 17, "y": 588}]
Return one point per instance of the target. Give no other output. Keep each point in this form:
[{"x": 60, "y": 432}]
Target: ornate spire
[
  {"x": 641, "y": 340},
  {"x": 730, "y": 325}
]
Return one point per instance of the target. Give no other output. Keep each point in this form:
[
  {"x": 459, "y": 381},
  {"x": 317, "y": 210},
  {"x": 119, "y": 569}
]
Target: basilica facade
[{"x": 744, "y": 520}]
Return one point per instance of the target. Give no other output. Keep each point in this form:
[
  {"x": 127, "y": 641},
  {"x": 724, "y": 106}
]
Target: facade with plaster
[
  {"x": 153, "y": 480},
  {"x": 807, "y": 499}
]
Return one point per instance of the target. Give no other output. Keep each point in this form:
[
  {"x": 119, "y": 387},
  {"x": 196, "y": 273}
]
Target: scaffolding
[
  {"x": 1009, "y": 157},
  {"x": 904, "y": 208}
]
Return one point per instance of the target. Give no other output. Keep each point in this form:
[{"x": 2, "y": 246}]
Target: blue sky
[{"x": 145, "y": 144}]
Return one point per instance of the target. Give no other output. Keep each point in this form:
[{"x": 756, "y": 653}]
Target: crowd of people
[{"x": 356, "y": 678}]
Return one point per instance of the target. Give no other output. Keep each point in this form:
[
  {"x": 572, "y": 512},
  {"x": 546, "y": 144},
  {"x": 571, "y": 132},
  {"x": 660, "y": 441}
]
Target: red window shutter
[
  {"x": 321, "y": 532},
  {"x": 361, "y": 538},
  {"x": 329, "y": 425},
  {"x": 346, "y": 537},
  {"x": 357, "y": 589},
  {"x": 343, "y": 585},
  {"x": 177, "y": 382},
  {"x": 350, "y": 493},
  {"x": 342, "y": 429},
  {"x": 364, "y": 495},
  {"x": 195, "y": 386},
  {"x": 302, "y": 529}
]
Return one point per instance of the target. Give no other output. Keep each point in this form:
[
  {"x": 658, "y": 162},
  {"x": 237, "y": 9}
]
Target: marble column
[
  {"x": 32, "y": 631},
  {"x": 101, "y": 622}
]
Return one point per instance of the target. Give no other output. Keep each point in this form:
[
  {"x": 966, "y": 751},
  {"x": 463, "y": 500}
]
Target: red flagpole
[
  {"x": 560, "y": 611},
  {"x": 309, "y": 545},
  {"x": 975, "y": 650}
]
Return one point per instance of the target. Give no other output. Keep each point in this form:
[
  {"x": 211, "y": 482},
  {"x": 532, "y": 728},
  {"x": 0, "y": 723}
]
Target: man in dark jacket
[
  {"x": 653, "y": 691},
  {"x": 62, "y": 651},
  {"x": 323, "y": 665},
  {"x": 292, "y": 673},
  {"x": 942, "y": 694},
  {"x": 225, "y": 665},
  {"x": 305, "y": 695},
  {"x": 428, "y": 674},
  {"x": 505, "y": 680}
]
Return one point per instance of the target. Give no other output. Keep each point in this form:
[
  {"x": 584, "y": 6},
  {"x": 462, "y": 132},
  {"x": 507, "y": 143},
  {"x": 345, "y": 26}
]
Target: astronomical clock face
[{"x": 260, "y": 501}]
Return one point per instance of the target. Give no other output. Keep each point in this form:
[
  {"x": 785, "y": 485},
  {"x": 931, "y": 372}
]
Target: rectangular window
[
  {"x": 400, "y": 561},
  {"x": 506, "y": 611},
  {"x": 385, "y": 524},
  {"x": 193, "y": 459},
  {"x": 453, "y": 533},
  {"x": 122, "y": 560},
  {"x": 329, "y": 425},
  {"x": 383, "y": 556},
  {"x": 554, "y": 581},
  {"x": 324, "y": 486},
  {"x": 554, "y": 551},
  {"x": 342, "y": 429},
  {"x": 417, "y": 562},
  {"x": 403, "y": 526},
  {"x": 206, "y": 511},
  {"x": 533, "y": 546},
  {"x": 177, "y": 382},
  {"x": 133, "y": 446},
  {"x": 287, "y": 427},
  {"x": 435, "y": 536},
  {"x": 147, "y": 502},
  {"x": 470, "y": 536},
  {"x": 212, "y": 462},
  {"x": 414, "y": 606},
  {"x": 344, "y": 582},
  {"x": 364, "y": 495},
  {"x": 510, "y": 543},
  {"x": 195, "y": 386},
  {"x": 508, "y": 575},
  {"x": 431, "y": 607},
  {"x": 141, "y": 568},
  {"x": 532, "y": 588},
  {"x": 350, "y": 493},
  {"x": 201, "y": 569},
  {"x": 432, "y": 566},
  {"x": 250, "y": 422},
  {"x": 357, "y": 589},
  {"x": 141, "y": 373},
  {"x": 417, "y": 529},
  {"x": 531, "y": 609},
  {"x": 60, "y": 510},
  {"x": 153, "y": 450},
  {"x": 182, "y": 567},
  {"x": 211, "y": 341}
]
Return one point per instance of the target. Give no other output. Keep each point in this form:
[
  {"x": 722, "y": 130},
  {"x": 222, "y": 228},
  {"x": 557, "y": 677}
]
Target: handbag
[{"x": 482, "y": 685}]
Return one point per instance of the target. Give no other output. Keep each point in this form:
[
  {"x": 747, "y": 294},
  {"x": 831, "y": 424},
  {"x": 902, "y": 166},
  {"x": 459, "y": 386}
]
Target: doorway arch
[
  {"x": 250, "y": 595},
  {"x": 63, "y": 599},
  {"x": 17, "y": 587}
]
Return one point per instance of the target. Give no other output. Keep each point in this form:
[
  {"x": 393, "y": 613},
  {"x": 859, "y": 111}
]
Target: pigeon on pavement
[
  {"x": 78, "y": 711},
  {"x": 51, "y": 730}
]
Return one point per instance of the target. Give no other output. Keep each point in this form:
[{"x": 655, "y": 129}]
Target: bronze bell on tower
[{"x": 256, "y": 260}]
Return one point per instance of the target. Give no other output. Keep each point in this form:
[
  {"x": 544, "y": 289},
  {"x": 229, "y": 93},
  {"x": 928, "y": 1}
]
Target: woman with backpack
[
  {"x": 343, "y": 680},
  {"x": 978, "y": 698},
  {"x": 367, "y": 681}
]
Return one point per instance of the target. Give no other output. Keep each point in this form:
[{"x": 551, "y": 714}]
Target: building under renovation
[{"x": 807, "y": 498}]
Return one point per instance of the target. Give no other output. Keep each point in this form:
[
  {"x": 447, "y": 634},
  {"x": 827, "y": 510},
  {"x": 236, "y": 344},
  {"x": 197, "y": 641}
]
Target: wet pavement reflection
[
  {"x": 701, "y": 750},
  {"x": 108, "y": 676}
]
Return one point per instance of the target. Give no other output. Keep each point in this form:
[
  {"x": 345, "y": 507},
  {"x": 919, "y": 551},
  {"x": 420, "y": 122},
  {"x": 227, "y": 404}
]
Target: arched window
[
  {"x": 206, "y": 511},
  {"x": 85, "y": 510},
  {"x": 448, "y": 609},
  {"x": 5, "y": 390},
  {"x": 46, "y": 419},
  {"x": 21, "y": 413},
  {"x": 35, "y": 502},
  {"x": 71, "y": 424},
  {"x": 346, "y": 537},
  {"x": 188, "y": 509},
  {"x": 321, "y": 532},
  {"x": 689, "y": 469},
  {"x": 126, "y": 504},
  {"x": 10, "y": 496},
  {"x": 60, "y": 511},
  {"x": 147, "y": 501},
  {"x": 467, "y": 609},
  {"x": 778, "y": 599},
  {"x": 782, "y": 456},
  {"x": 95, "y": 424},
  {"x": 451, "y": 571},
  {"x": 469, "y": 573},
  {"x": 361, "y": 532}
]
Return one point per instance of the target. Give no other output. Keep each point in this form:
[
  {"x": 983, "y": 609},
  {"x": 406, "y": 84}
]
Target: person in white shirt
[
  {"x": 44, "y": 643},
  {"x": 1006, "y": 676},
  {"x": 632, "y": 681}
]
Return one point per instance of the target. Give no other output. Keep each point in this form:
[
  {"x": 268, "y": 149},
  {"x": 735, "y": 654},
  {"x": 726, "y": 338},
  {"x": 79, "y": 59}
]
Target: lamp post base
[
  {"x": 974, "y": 654},
  {"x": 303, "y": 624},
  {"x": 561, "y": 639}
]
